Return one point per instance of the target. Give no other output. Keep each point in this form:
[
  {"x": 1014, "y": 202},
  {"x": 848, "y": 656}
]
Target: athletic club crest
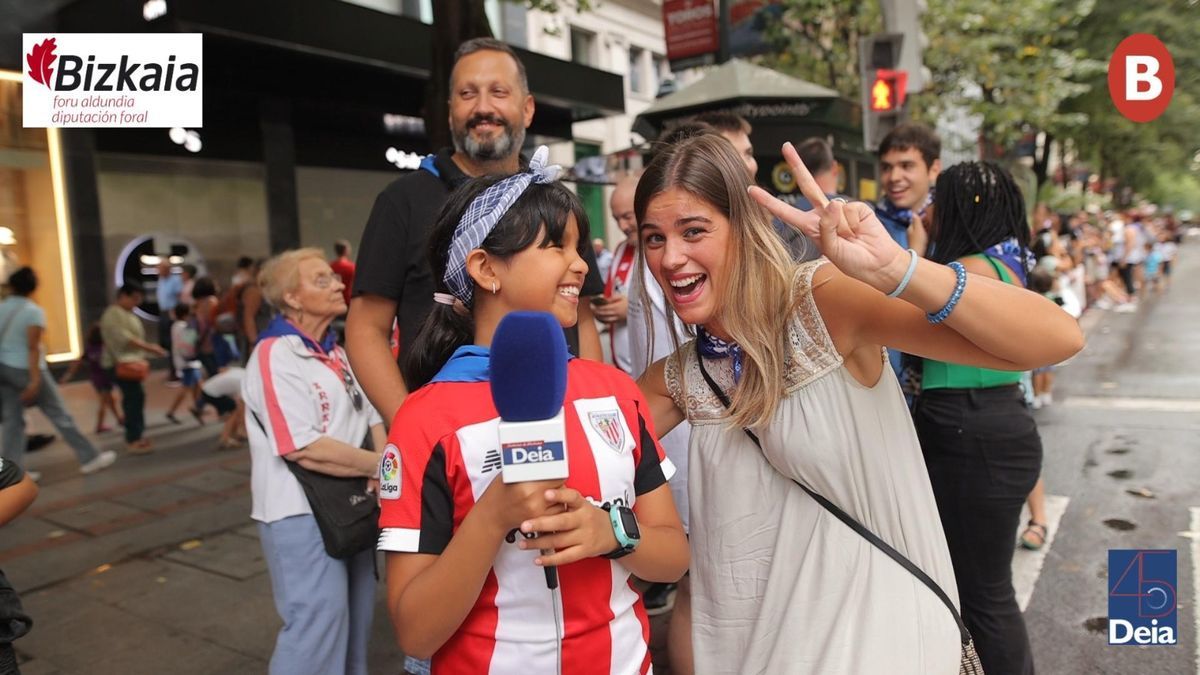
[{"x": 608, "y": 426}]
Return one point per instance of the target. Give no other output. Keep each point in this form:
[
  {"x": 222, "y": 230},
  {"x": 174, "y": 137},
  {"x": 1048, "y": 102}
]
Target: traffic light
[
  {"x": 883, "y": 86},
  {"x": 886, "y": 95},
  {"x": 906, "y": 18}
]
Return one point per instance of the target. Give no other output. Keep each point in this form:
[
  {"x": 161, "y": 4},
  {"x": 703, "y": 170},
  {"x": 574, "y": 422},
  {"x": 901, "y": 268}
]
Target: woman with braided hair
[{"x": 980, "y": 441}]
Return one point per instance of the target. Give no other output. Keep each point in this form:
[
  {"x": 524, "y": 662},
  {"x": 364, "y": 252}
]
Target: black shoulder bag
[
  {"x": 346, "y": 514},
  {"x": 969, "y": 663}
]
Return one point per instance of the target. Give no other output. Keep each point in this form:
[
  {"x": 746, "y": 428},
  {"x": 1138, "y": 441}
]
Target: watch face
[{"x": 629, "y": 524}]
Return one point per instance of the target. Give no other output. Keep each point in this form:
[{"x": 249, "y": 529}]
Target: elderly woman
[{"x": 304, "y": 405}]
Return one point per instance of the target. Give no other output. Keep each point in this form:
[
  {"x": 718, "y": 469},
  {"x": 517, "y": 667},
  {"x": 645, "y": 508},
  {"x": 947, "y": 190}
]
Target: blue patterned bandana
[
  {"x": 482, "y": 215},
  {"x": 905, "y": 215},
  {"x": 1014, "y": 256},
  {"x": 713, "y": 347}
]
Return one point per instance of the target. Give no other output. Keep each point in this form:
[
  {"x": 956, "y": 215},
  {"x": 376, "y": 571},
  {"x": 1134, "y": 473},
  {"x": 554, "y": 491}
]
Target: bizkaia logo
[
  {"x": 75, "y": 74},
  {"x": 113, "y": 80},
  {"x": 1141, "y": 77}
]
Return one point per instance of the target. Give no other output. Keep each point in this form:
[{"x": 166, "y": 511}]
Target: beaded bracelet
[
  {"x": 960, "y": 274},
  {"x": 912, "y": 267}
]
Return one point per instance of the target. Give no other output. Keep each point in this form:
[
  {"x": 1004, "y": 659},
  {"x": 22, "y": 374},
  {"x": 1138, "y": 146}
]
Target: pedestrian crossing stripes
[
  {"x": 1194, "y": 535},
  {"x": 1171, "y": 405},
  {"x": 1027, "y": 565}
]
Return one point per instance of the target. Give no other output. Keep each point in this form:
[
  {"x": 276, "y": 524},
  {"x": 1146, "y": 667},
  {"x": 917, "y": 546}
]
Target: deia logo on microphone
[
  {"x": 1141, "y": 597},
  {"x": 533, "y": 452},
  {"x": 148, "y": 80}
]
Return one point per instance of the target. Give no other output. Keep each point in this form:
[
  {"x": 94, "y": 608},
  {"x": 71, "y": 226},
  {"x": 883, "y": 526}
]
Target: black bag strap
[{"x": 851, "y": 522}]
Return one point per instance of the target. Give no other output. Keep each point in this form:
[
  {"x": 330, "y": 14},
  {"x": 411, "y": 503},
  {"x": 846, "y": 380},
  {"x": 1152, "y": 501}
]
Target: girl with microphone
[{"x": 465, "y": 585}]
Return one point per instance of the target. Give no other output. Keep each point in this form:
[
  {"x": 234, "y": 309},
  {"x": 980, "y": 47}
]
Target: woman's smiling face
[{"x": 686, "y": 242}]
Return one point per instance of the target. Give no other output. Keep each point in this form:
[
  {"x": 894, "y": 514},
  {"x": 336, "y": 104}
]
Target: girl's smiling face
[
  {"x": 544, "y": 278},
  {"x": 686, "y": 242}
]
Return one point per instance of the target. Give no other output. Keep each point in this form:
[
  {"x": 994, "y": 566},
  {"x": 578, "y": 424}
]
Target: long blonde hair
[{"x": 757, "y": 301}]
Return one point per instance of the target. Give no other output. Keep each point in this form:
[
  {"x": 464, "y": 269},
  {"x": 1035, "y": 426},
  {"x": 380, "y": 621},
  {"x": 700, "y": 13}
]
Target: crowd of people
[{"x": 801, "y": 417}]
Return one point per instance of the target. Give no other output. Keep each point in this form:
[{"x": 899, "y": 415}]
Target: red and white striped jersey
[{"x": 448, "y": 454}]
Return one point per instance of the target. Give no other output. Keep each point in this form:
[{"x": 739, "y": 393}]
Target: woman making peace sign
[{"x": 788, "y": 390}]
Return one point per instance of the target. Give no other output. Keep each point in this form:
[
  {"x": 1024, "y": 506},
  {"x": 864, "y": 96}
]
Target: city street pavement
[
  {"x": 1122, "y": 446},
  {"x": 154, "y": 566},
  {"x": 151, "y": 566}
]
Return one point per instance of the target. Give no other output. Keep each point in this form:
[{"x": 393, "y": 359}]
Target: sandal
[
  {"x": 1034, "y": 536},
  {"x": 229, "y": 444}
]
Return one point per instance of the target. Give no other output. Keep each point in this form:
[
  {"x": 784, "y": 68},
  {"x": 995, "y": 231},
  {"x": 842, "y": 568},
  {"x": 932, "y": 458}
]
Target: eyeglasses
[{"x": 325, "y": 280}]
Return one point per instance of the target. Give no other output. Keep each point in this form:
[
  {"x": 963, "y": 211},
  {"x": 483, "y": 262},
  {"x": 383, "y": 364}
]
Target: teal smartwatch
[{"x": 625, "y": 529}]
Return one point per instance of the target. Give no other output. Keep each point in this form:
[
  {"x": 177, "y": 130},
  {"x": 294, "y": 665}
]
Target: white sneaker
[
  {"x": 35, "y": 476},
  {"x": 1047, "y": 399},
  {"x": 1103, "y": 303},
  {"x": 100, "y": 461},
  {"x": 1036, "y": 403},
  {"x": 1126, "y": 308}
]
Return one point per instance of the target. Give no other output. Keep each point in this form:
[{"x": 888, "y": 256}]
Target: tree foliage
[
  {"x": 1012, "y": 64},
  {"x": 817, "y": 40},
  {"x": 1157, "y": 158}
]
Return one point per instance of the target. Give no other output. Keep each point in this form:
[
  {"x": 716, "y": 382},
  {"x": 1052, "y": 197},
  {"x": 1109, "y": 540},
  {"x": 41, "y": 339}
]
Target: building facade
[{"x": 311, "y": 108}]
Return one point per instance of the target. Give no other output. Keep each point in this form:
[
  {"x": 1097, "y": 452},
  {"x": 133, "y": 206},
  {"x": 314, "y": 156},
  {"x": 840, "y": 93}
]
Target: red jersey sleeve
[
  {"x": 415, "y": 498},
  {"x": 652, "y": 468}
]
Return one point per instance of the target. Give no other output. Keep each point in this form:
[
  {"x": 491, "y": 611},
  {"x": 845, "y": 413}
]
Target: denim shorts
[{"x": 190, "y": 377}]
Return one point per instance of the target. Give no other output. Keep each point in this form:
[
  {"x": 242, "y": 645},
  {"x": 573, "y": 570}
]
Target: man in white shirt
[{"x": 612, "y": 308}]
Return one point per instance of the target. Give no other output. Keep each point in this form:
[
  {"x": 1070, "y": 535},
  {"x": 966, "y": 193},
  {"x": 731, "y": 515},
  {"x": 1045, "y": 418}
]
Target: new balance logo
[{"x": 491, "y": 461}]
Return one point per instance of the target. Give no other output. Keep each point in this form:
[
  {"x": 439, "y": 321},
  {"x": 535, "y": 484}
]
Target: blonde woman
[
  {"x": 779, "y": 583},
  {"x": 303, "y": 404}
]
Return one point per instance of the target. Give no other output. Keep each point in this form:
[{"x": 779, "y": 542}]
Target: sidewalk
[{"x": 152, "y": 565}]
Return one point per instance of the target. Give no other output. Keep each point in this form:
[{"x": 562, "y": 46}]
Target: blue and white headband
[{"x": 480, "y": 219}]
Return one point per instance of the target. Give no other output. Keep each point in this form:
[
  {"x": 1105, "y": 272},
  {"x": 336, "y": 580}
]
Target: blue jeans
[
  {"x": 326, "y": 604},
  {"x": 12, "y": 381}
]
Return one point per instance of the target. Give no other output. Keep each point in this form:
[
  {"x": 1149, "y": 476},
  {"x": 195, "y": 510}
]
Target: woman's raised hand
[{"x": 848, "y": 234}]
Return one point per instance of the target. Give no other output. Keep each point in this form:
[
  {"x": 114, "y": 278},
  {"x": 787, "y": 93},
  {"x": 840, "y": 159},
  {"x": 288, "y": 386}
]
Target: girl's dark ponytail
[{"x": 443, "y": 331}]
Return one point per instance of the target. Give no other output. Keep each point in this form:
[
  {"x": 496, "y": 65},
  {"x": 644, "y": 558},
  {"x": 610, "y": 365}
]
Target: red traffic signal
[{"x": 886, "y": 94}]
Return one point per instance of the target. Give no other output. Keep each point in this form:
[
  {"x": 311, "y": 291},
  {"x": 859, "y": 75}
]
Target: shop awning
[{"x": 727, "y": 86}]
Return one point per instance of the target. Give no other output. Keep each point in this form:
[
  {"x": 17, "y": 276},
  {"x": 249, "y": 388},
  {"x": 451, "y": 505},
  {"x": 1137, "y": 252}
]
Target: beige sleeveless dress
[{"x": 779, "y": 584}]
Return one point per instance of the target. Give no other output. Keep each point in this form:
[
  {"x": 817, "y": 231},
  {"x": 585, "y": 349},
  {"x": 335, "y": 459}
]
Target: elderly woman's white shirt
[{"x": 297, "y": 399}]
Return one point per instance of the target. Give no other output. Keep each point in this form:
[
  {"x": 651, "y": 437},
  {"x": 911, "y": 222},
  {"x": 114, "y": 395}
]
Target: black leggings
[
  {"x": 1126, "y": 272},
  {"x": 984, "y": 456}
]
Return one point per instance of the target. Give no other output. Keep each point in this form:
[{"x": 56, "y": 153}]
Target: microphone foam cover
[{"x": 528, "y": 367}]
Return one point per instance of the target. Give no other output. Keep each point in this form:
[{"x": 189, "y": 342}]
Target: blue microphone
[
  {"x": 528, "y": 373},
  {"x": 528, "y": 377}
]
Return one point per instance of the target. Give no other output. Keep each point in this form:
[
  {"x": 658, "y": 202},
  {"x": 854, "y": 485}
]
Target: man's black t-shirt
[{"x": 393, "y": 257}]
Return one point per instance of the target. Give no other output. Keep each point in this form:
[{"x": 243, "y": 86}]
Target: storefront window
[
  {"x": 34, "y": 227},
  {"x": 592, "y": 196}
]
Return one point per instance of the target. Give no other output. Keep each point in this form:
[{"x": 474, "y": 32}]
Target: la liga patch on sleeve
[{"x": 389, "y": 473}]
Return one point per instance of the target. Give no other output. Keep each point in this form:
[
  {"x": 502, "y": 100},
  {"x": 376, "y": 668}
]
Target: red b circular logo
[{"x": 1141, "y": 77}]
